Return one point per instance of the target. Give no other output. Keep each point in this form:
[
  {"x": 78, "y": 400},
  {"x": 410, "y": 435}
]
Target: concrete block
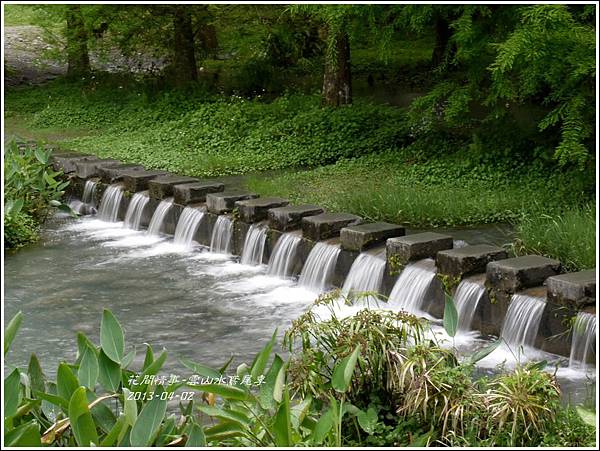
[
  {"x": 290, "y": 217},
  {"x": 135, "y": 180},
  {"x": 468, "y": 260},
  {"x": 114, "y": 173},
  {"x": 85, "y": 169},
  {"x": 515, "y": 274},
  {"x": 574, "y": 289},
  {"x": 223, "y": 202},
  {"x": 417, "y": 246},
  {"x": 327, "y": 225},
  {"x": 365, "y": 236},
  {"x": 162, "y": 187},
  {"x": 255, "y": 210},
  {"x": 188, "y": 193}
]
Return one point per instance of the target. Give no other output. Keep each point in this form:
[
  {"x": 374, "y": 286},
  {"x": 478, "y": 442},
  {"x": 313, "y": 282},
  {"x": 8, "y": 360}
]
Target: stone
[
  {"x": 255, "y": 210},
  {"x": 135, "y": 180},
  {"x": 224, "y": 202},
  {"x": 515, "y": 274},
  {"x": 327, "y": 225},
  {"x": 417, "y": 246},
  {"x": 365, "y": 236},
  {"x": 189, "y": 193},
  {"x": 114, "y": 172},
  {"x": 290, "y": 217},
  {"x": 162, "y": 187},
  {"x": 66, "y": 163},
  {"x": 85, "y": 169},
  {"x": 575, "y": 289},
  {"x": 468, "y": 260}
]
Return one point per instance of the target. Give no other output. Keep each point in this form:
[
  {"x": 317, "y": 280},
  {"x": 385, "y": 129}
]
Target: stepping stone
[
  {"x": 364, "y": 236},
  {"x": 135, "y": 180},
  {"x": 224, "y": 202},
  {"x": 416, "y": 246},
  {"x": 577, "y": 288},
  {"x": 515, "y": 274},
  {"x": 91, "y": 168},
  {"x": 290, "y": 217},
  {"x": 67, "y": 162},
  {"x": 327, "y": 225},
  {"x": 255, "y": 210},
  {"x": 189, "y": 193},
  {"x": 162, "y": 187},
  {"x": 114, "y": 173},
  {"x": 468, "y": 259}
]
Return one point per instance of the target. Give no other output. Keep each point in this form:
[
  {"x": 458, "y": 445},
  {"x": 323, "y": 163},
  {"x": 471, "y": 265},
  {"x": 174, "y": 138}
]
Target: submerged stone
[
  {"x": 188, "y": 193},
  {"x": 417, "y": 246},
  {"x": 468, "y": 259},
  {"x": 514, "y": 274},
  {"x": 135, "y": 180},
  {"x": 254, "y": 210},
  {"x": 162, "y": 186},
  {"x": 327, "y": 225},
  {"x": 290, "y": 217},
  {"x": 365, "y": 236},
  {"x": 224, "y": 202},
  {"x": 576, "y": 288}
]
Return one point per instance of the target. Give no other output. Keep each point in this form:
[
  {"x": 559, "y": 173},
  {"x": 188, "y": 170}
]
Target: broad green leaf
[
  {"x": 588, "y": 416},
  {"x": 152, "y": 369},
  {"x": 226, "y": 414},
  {"x": 225, "y": 391},
  {"x": 199, "y": 369},
  {"x": 83, "y": 343},
  {"x": 279, "y": 384},
  {"x": 37, "y": 379},
  {"x": 26, "y": 435},
  {"x": 260, "y": 362},
  {"x": 266, "y": 392},
  {"x": 367, "y": 420},
  {"x": 223, "y": 430},
  {"x": 282, "y": 426},
  {"x": 450, "y": 316},
  {"x": 53, "y": 399},
  {"x": 12, "y": 393},
  {"x": 112, "y": 340},
  {"x": 128, "y": 358},
  {"x": 323, "y": 426},
  {"x": 41, "y": 156},
  {"x": 102, "y": 414},
  {"x": 485, "y": 351},
  {"x": 299, "y": 411},
  {"x": 66, "y": 382},
  {"x": 82, "y": 423},
  {"x": 343, "y": 371},
  {"x": 148, "y": 422},
  {"x": 111, "y": 438},
  {"x": 109, "y": 373},
  {"x": 129, "y": 407},
  {"x": 149, "y": 357},
  {"x": 196, "y": 436},
  {"x": 88, "y": 369},
  {"x": 11, "y": 330}
]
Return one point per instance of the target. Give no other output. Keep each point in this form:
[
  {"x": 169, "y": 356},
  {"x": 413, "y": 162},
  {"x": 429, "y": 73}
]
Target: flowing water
[
  {"x": 366, "y": 274},
  {"x": 319, "y": 267},
  {"x": 135, "y": 210},
  {"x": 410, "y": 290},
  {"x": 583, "y": 345},
  {"x": 110, "y": 203},
  {"x": 158, "y": 218},
  {"x": 188, "y": 224},
  {"x": 220, "y": 240},
  {"x": 254, "y": 245},
  {"x": 522, "y": 321},
  {"x": 89, "y": 193},
  {"x": 284, "y": 254},
  {"x": 466, "y": 299}
]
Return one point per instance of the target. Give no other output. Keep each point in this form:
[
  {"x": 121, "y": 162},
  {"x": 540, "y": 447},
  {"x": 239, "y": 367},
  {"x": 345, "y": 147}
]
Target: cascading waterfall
[
  {"x": 282, "y": 258},
  {"x": 89, "y": 193},
  {"x": 110, "y": 203},
  {"x": 412, "y": 286},
  {"x": 583, "y": 341},
  {"x": 254, "y": 245},
  {"x": 466, "y": 299},
  {"x": 366, "y": 274},
  {"x": 319, "y": 266},
  {"x": 522, "y": 320},
  {"x": 187, "y": 226},
  {"x": 220, "y": 240},
  {"x": 138, "y": 203},
  {"x": 158, "y": 218}
]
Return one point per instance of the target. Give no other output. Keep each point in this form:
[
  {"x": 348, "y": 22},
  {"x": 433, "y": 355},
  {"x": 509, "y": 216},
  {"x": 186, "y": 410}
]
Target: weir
[
  {"x": 319, "y": 267},
  {"x": 188, "y": 224},
  {"x": 366, "y": 274},
  {"x": 220, "y": 240},
  {"x": 583, "y": 344},
  {"x": 110, "y": 203},
  {"x": 158, "y": 218},
  {"x": 522, "y": 321},
  {"x": 254, "y": 245},
  {"x": 410, "y": 291},
  {"x": 283, "y": 256},
  {"x": 467, "y": 297},
  {"x": 135, "y": 210}
]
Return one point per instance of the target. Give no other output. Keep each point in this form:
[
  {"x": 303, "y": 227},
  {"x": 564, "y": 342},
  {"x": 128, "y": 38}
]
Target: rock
[
  {"x": 162, "y": 187},
  {"x": 468, "y": 260},
  {"x": 365, "y": 236},
  {"x": 188, "y": 193},
  {"x": 66, "y": 162},
  {"x": 515, "y": 274},
  {"x": 85, "y": 169},
  {"x": 224, "y": 202},
  {"x": 114, "y": 173},
  {"x": 327, "y": 225},
  {"x": 290, "y": 217},
  {"x": 417, "y": 246},
  {"x": 576, "y": 289},
  {"x": 255, "y": 210},
  {"x": 135, "y": 180}
]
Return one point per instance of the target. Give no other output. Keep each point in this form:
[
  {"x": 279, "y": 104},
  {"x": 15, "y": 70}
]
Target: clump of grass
[{"x": 569, "y": 236}]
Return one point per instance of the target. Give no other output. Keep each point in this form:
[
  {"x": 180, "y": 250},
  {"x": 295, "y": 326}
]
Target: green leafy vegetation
[{"x": 369, "y": 379}]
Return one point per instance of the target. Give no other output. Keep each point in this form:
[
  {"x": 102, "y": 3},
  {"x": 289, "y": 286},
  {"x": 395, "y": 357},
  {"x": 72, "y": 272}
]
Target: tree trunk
[
  {"x": 337, "y": 82},
  {"x": 184, "y": 58},
  {"x": 442, "y": 39},
  {"x": 77, "y": 50}
]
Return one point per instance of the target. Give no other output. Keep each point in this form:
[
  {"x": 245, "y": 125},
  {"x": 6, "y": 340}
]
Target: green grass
[{"x": 19, "y": 15}]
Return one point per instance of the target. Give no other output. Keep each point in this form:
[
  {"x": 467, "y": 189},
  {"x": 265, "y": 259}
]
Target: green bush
[{"x": 19, "y": 230}]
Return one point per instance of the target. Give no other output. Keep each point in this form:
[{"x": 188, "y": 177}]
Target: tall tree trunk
[
  {"x": 77, "y": 50},
  {"x": 442, "y": 39},
  {"x": 184, "y": 58},
  {"x": 337, "y": 81}
]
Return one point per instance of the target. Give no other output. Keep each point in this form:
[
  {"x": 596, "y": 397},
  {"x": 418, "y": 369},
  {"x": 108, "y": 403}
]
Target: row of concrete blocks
[{"x": 535, "y": 275}]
